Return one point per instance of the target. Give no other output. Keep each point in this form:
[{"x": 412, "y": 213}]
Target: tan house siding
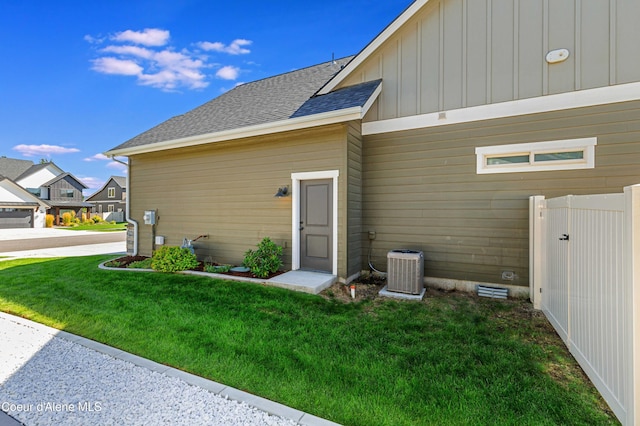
[
  {"x": 354, "y": 199},
  {"x": 226, "y": 190},
  {"x": 421, "y": 190},
  {"x": 462, "y": 53}
]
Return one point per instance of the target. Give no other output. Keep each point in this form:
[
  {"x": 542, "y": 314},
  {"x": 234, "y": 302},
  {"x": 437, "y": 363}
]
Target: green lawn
[
  {"x": 103, "y": 226},
  {"x": 451, "y": 359}
]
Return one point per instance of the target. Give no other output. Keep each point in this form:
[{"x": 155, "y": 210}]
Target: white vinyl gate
[{"x": 585, "y": 276}]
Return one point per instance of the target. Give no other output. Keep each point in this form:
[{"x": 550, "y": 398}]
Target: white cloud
[
  {"x": 235, "y": 48},
  {"x": 109, "y": 65},
  {"x": 118, "y": 166},
  {"x": 97, "y": 157},
  {"x": 32, "y": 150},
  {"x": 91, "y": 39},
  {"x": 147, "y": 37},
  {"x": 147, "y": 56},
  {"x": 92, "y": 182},
  {"x": 140, "y": 52},
  {"x": 228, "y": 72}
]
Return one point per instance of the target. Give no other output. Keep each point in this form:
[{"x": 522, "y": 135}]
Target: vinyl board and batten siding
[
  {"x": 66, "y": 183},
  {"x": 461, "y": 53},
  {"x": 226, "y": 190},
  {"x": 421, "y": 190}
]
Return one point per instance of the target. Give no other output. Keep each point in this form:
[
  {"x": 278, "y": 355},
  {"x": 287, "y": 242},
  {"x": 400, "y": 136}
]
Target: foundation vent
[{"x": 493, "y": 292}]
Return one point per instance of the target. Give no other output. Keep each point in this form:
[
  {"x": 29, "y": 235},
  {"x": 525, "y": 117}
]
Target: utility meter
[{"x": 149, "y": 217}]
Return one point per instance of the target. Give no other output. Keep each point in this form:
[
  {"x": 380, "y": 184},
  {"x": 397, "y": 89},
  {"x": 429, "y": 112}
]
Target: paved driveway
[{"x": 54, "y": 242}]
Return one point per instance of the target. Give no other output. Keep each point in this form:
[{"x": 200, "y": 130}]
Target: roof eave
[
  {"x": 372, "y": 46},
  {"x": 298, "y": 123}
]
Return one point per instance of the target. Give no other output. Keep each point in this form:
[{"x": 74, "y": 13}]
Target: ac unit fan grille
[{"x": 405, "y": 271}]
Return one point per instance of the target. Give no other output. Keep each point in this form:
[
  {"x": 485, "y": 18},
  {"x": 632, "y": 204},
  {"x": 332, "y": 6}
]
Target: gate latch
[{"x": 565, "y": 237}]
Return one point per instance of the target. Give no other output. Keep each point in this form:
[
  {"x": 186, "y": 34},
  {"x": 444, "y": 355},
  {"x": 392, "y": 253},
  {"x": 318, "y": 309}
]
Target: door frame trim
[{"x": 295, "y": 215}]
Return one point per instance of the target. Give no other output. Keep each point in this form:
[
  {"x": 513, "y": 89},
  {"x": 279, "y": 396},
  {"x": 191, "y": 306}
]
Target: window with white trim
[
  {"x": 111, "y": 193},
  {"x": 565, "y": 154},
  {"x": 110, "y": 208}
]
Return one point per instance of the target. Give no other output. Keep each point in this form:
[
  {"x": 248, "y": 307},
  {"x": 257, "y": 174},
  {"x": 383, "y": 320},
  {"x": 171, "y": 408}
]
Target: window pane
[
  {"x": 511, "y": 159},
  {"x": 559, "y": 156}
]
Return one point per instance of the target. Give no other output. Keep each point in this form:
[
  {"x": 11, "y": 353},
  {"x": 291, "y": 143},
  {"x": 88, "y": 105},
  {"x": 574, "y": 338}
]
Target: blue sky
[{"x": 79, "y": 77}]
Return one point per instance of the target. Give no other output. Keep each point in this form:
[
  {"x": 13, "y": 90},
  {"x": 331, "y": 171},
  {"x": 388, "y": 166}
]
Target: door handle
[{"x": 301, "y": 227}]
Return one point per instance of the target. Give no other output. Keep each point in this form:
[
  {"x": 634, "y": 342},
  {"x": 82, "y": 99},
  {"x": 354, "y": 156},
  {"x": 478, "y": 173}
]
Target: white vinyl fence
[
  {"x": 111, "y": 216},
  {"x": 585, "y": 276}
]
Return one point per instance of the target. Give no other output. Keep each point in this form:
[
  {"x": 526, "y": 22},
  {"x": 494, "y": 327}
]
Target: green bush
[
  {"x": 173, "y": 259},
  {"x": 141, "y": 264},
  {"x": 266, "y": 260},
  {"x": 216, "y": 269}
]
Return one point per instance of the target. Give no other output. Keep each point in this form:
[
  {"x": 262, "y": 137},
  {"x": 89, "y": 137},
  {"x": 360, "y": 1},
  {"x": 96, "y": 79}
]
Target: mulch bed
[{"x": 125, "y": 261}]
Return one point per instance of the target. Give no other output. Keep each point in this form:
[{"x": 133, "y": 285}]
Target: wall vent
[
  {"x": 493, "y": 292},
  {"x": 405, "y": 271}
]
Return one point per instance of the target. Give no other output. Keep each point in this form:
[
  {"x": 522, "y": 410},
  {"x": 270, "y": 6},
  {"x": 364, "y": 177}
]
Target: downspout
[{"x": 128, "y": 207}]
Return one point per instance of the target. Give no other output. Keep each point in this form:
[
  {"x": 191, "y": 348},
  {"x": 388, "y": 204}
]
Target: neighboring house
[
  {"x": 19, "y": 208},
  {"x": 64, "y": 193},
  {"x": 433, "y": 137},
  {"x": 111, "y": 197},
  {"x": 52, "y": 190}
]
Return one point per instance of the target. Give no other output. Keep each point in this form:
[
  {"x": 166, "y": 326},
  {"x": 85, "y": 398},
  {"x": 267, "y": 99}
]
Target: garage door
[{"x": 16, "y": 218}]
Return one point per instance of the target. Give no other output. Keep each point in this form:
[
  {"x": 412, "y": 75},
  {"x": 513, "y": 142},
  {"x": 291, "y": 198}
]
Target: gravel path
[{"x": 48, "y": 380}]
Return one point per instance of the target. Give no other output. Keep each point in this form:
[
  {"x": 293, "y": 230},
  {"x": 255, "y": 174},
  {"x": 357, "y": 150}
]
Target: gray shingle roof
[
  {"x": 120, "y": 180},
  {"x": 31, "y": 170},
  {"x": 12, "y": 167},
  {"x": 348, "y": 97},
  {"x": 64, "y": 176},
  {"x": 263, "y": 101}
]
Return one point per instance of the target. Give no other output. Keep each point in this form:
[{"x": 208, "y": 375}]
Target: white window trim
[
  {"x": 587, "y": 145},
  {"x": 111, "y": 192},
  {"x": 295, "y": 214}
]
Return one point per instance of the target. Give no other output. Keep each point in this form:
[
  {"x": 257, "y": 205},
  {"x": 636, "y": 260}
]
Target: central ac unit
[{"x": 405, "y": 271}]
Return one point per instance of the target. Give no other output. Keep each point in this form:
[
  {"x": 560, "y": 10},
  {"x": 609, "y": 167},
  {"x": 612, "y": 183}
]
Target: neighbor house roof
[
  {"x": 36, "y": 167},
  {"x": 120, "y": 180},
  {"x": 12, "y": 167},
  {"x": 62, "y": 176},
  {"x": 279, "y": 103}
]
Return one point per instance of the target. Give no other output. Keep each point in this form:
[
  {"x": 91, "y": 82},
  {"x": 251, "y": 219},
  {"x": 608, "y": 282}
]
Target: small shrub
[
  {"x": 113, "y": 264},
  {"x": 96, "y": 219},
  {"x": 173, "y": 259},
  {"x": 141, "y": 264},
  {"x": 266, "y": 260},
  {"x": 66, "y": 218},
  {"x": 49, "y": 220},
  {"x": 217, "y": 269}
]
